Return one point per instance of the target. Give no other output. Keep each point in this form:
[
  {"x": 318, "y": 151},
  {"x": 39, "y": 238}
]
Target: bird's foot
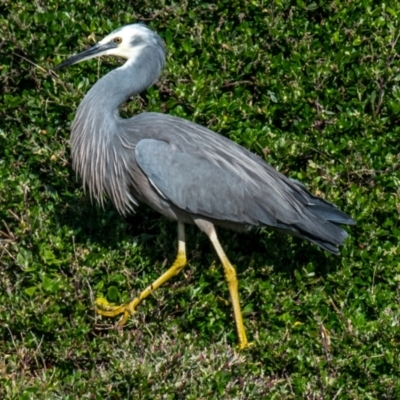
[
  {"x": 103, "y": 307},
  {"x": 245, "y": 345}
]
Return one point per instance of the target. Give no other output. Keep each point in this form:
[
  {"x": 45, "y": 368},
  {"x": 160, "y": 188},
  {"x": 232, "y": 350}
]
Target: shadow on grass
[
  {"x": 107, "y": 227},
  {"x": 250, "y": 253}
]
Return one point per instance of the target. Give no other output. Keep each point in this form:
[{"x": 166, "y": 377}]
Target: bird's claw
[
  {"x": 245, "y": 345},
  {"x": 107, "y": 309}
]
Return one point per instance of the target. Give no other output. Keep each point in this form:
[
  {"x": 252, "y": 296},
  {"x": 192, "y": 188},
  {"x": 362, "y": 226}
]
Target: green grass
[{"x": 311, "y": 87}]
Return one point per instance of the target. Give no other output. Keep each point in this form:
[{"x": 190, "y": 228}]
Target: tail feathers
[
  {"x": 329, "y": 212},
  {"x": 331, "y": 245},
  {"x": 325, "y": 245},
  {"x": 321, "y": 207},
  {"x": 322, "y": 225}
]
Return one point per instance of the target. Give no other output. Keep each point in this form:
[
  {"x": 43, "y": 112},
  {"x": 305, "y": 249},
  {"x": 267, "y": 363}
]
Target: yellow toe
[
  {"x": 107, "y": 309},
  {"x": 245, "y": 345},
  {"x": 103, "y": 307}
]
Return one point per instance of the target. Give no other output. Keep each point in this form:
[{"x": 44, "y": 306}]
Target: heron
[{"x": 181, "y": 169}]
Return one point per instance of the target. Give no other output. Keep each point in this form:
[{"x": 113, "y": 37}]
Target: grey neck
[{"x": 118, "y": 85}]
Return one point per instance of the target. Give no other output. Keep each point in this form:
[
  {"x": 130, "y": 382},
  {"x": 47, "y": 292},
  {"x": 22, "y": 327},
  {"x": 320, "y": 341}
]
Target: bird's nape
[{"x": 184, "y": 171}]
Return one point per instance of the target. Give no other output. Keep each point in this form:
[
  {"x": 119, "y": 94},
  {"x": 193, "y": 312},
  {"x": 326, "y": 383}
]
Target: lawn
[{"x": 313, "y": 88}]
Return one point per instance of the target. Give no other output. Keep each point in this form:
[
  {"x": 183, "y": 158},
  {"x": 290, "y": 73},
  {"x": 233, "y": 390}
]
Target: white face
[
  {"x": 127, "y": 42},
  {"x": 125, "y": 39}
]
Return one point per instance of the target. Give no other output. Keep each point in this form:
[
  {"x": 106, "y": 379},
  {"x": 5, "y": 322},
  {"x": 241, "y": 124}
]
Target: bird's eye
[{"x": 117, "y": 40}]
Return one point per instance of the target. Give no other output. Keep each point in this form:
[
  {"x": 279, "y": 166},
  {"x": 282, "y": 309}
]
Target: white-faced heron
[{"x": 183, "y": 170}]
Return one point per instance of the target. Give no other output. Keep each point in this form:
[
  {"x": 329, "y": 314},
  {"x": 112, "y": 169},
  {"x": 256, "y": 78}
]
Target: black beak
[{"x": 96, "y": 51}]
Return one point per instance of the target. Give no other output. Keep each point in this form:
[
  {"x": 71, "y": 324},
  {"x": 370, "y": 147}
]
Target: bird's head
[{"x": 126, "y": 42}]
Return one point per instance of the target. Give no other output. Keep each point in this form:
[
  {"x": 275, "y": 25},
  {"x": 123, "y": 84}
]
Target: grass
[{"x": 312, "y": 88}]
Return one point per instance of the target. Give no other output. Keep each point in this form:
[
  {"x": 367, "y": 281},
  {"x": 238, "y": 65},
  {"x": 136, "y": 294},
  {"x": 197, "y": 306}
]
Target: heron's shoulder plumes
[{"x": 101, "y": 156}]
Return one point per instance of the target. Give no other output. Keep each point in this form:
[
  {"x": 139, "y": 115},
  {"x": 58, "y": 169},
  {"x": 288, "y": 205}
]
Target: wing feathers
[{"x": 206, "y": 174}]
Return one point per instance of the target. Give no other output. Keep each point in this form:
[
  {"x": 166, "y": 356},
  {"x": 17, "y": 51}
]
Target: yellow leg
[
  {"x": 108, "y": 310},
  {"x": 230, "y": 276}
]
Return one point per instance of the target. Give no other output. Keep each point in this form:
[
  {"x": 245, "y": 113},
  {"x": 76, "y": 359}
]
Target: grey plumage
[{"x": 181, "y": 169}]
